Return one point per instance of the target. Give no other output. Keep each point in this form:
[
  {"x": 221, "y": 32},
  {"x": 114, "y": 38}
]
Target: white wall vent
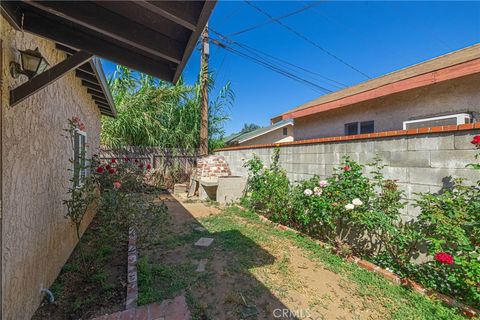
[{"x": 452, "y": 119}]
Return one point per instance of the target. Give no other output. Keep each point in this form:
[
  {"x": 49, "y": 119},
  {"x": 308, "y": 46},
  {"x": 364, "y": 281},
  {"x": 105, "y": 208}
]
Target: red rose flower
[
  {"x": 81, "y": 126},
  {"x": 114, "y": 160},
  {"x": 140, "y": 165},
  {"x": 111, "y": 171},
  {"x": 136, "y": 160},
  {"x": 444, "y": 258},
  {"x": 346, "y": 168},
  {"x": 149, "y": 166},
  {"x": 126, "y": 159},
  {"x": 100, "y": 170},
  {"x": 475, "y": 140},
  {"x": 108, "y": 167}
]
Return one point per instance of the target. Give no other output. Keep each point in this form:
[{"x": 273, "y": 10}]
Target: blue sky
[{"x": 373, "y": 37}]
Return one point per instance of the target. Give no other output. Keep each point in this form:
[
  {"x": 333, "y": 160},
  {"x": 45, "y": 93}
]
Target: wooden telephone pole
[{"x": 204, "y": 90}]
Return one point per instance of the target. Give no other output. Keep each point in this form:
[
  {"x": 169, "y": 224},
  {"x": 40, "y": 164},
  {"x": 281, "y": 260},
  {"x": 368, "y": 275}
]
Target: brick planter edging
[
  {"x": 132, "y": 286},
  {"x": 392, "y": 277}
]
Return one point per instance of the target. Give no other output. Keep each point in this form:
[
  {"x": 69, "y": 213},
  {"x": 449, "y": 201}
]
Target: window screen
[
  {"x": 367, "y": 127},
  {"x": 351, "y": 128}
]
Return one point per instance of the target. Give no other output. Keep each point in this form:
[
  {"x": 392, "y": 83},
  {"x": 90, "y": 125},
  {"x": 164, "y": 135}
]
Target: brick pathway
[{"x": 172, "y": 309}]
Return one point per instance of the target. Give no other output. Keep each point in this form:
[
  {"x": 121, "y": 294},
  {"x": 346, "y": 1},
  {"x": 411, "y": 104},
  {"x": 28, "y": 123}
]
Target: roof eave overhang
[
  {"x": 153, "y": 37},
  {"x": 93, "y": 79}
]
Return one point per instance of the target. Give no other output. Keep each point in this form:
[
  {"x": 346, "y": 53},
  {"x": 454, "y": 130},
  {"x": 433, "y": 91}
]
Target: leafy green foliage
[
  {"x": 450, "y": 222},
  {"x": 268, "y": 187},
  {"x": 155, "y": 113},
  {"x": 360, "y": 214}
]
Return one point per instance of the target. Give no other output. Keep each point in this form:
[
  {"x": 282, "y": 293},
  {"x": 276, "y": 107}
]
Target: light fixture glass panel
[
  {"x": 43, "y": 66},
  {"x": 30, "y": 62}
]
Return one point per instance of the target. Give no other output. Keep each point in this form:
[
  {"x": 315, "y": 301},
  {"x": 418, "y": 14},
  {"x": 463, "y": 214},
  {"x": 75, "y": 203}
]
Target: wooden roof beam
[
  {"x": 95, "y": 93},
  {"x": 98, "y": 99},
  {"x": 74, "y": 37},
  {"x": 167, "y": 9},
  {"x": 202, "y": 21},
  {"x": 118, "y": 28},
  {"x": 86, "y": 76},
  {"x": 92, "y": 86}
]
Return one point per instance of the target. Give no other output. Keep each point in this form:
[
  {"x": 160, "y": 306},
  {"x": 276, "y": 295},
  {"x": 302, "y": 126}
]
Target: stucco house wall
[
  {"x": 275, "y": 136},
  {"x": 36, "y": 238},
  {"x": 457, "y": 95}
]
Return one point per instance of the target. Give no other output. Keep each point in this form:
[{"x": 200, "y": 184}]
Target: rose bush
[{"x": 360, "y": 213}]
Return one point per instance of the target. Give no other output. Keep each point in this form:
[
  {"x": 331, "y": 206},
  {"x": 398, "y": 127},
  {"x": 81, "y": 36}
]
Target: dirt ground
[
  {"x": 102, "y": 291},
  {"x": 247, "y": 271}
]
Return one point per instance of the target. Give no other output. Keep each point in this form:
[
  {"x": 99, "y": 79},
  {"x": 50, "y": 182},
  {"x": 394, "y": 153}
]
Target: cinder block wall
[{"x": 419, "y": 162}]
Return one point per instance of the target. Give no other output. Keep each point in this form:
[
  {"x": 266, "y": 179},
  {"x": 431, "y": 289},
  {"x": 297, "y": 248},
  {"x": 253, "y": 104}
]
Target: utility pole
[{"x": 204, "y": 92}]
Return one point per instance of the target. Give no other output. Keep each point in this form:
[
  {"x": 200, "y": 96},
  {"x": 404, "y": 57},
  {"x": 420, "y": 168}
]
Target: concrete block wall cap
[{"x": 376, "y": 135}]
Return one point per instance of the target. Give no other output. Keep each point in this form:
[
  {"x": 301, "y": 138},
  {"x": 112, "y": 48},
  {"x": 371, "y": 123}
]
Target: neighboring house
[
  {"x": 36, "y": 239},
  {"x": 441, "y": 91},
  {"x": 281, "y": 131}
]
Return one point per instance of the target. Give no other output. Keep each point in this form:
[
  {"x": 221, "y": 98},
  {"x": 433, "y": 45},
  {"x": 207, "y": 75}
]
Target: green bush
[{"x": 268, "y": 188}]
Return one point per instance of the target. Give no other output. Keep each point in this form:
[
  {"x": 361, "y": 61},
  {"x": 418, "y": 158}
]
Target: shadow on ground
[{"x": 226, "y": 289}]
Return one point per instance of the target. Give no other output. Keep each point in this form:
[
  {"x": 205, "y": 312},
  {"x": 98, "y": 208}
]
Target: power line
[
  {"x": 271, "y": 66},
  {"x": 275, "y": 19},
  {"x": 300, "y": 35},
  {"x": 255, "y": 51}
]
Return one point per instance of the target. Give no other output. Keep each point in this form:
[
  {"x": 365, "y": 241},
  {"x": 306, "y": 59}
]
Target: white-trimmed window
[{"x": 79, "y": 157}]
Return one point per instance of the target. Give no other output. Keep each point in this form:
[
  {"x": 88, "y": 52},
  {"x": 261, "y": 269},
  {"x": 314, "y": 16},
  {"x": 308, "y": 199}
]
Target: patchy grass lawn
[{"x": 254, "y": 268}]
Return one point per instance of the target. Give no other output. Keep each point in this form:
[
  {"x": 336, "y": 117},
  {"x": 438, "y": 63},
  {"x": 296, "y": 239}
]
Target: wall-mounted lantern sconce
[{"x": 33, "y": 63}]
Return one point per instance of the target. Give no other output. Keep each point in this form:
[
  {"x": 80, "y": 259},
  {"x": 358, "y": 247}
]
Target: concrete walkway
[{"x": 171, "y": 309}]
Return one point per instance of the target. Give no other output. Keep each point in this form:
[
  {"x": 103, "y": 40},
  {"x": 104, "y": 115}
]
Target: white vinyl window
[{"x": 79, "y": 158}]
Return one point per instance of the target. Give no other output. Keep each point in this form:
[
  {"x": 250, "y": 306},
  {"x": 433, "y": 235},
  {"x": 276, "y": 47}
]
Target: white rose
[
  {"x": 308, "y": 192},
  {"x": 349, "y": 206},
  {"x": 357, "y": 202}
]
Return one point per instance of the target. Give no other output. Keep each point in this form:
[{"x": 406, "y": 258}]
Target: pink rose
[{"x": 117, "y": 184}]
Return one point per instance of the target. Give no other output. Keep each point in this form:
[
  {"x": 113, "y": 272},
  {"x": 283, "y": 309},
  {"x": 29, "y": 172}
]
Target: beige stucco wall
[
  {"x": 274, "y": 136},
  {"x": 389, "y": 112},
  {"x": 36, "y": 238}
]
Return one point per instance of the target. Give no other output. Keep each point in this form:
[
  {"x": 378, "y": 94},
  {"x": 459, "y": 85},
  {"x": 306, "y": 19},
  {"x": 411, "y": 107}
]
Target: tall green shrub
[
  {"x": 268, "y": 188},
  {"x": 155, "y": 113}
]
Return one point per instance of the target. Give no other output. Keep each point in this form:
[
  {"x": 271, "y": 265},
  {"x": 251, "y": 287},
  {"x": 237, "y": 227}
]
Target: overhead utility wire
[
  {"x": 270, "y": 66},
  {"x": 308, "y": 6},
  {"x": 255, "y": 51},
  {"x": 300, "y": 35}
]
